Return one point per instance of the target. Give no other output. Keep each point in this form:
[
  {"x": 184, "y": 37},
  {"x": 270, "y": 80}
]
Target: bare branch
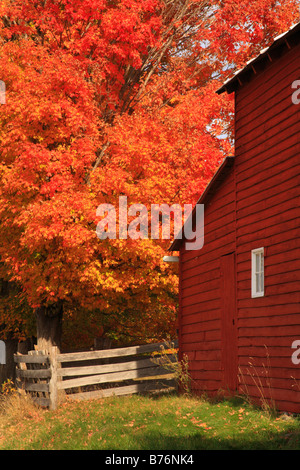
[{"x": 97, "y": 162}]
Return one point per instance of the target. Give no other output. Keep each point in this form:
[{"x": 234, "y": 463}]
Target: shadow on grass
[
  {"x": 280, "y": 441},
  {"x": 250, "y": 439}
]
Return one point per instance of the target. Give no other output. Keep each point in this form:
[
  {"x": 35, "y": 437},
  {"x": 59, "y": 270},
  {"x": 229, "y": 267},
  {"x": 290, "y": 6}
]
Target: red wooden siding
[
  {"x": 257, "y": 204},
  {"x": 268, "y": 214},
  {"x": 229, "y": 362},
  {"x": 201, "y": 295}
]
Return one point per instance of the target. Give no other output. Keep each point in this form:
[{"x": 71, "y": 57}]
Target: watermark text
[
  {"x": 296, "y": 353},
  {"x": 2, "y": 92},
  {"x": 296, "y": 94},
  {"x": 2, "y": 353},
  {"x": 188, "y": 222}
]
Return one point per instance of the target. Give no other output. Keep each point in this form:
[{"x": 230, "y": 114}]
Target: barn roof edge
[
  {"x": 233, "y": 82},
  {"x": 209, "y": 190}
]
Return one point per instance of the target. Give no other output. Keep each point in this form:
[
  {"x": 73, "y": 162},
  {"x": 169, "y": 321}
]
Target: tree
[{"x": 108, "y": 98}]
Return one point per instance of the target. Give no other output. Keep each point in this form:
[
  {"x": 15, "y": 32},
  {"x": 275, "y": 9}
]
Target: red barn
[{"x": 239, "y": 319}]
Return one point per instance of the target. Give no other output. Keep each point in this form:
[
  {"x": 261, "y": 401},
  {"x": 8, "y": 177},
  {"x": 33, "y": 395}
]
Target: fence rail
[{"x": 119, "y": 371}]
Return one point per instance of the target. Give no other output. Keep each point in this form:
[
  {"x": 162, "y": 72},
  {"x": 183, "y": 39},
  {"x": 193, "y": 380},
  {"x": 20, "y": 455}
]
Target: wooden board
[{"x": 118, "y": 352}]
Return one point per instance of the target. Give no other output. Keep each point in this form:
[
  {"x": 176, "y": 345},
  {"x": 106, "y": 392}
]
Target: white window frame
[{"x": 257, "y": 273}]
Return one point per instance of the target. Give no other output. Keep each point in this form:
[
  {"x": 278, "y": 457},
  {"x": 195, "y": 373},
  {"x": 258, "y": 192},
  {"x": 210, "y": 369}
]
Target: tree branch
[{"x": 97, "y": 162}]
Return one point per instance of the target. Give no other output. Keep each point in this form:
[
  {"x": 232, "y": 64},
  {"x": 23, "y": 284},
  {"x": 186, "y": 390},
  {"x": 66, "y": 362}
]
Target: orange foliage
[{"x": 108, "y": 98}]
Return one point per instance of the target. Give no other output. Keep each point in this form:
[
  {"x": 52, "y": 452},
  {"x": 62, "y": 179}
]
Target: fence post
[{"x": 53, "y": 378}]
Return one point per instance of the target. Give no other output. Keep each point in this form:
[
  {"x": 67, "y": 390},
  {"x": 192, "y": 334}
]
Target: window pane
[
  {"x": 257, "y": 262},
  {"x": 257, "y": 283},
  {"x": 257, "y": 275}
]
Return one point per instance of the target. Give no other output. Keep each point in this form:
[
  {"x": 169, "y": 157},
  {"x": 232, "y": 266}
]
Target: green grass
[{"x": 144, "y": 423}]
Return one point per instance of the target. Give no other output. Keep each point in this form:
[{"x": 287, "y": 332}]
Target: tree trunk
[{"x": 49, "y": 326}]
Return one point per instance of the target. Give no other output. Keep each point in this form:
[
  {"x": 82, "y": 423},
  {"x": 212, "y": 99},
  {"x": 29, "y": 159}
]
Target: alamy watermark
[
  {"x": 188, "y": 222},
  {"x": 2, "y": 353},
  {"x": 296, "y": 94},
  {"x": 2, "y": 92},
  {"x": 296, "y": 354}
]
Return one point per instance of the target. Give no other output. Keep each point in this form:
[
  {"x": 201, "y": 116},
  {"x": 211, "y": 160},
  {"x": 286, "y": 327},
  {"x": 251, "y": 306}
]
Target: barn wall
[
  {"x": 200, "y": 296},
  {"x": 268, "y": 214},
  {"x": 257, "y": 204}
]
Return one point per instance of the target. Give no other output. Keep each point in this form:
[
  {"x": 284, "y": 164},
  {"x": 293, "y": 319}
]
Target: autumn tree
[{"x": 108, "y": 98}]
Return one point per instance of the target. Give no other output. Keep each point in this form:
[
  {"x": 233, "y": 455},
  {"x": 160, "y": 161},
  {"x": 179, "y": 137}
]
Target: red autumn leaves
[{"x": 109, "y": 98}]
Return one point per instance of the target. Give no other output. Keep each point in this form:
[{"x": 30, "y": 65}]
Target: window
[{"x": 257, "y": 272}]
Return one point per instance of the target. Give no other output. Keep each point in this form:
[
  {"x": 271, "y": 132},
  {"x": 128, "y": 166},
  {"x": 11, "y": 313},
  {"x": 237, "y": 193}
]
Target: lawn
[{"x": 144, "y": 423}]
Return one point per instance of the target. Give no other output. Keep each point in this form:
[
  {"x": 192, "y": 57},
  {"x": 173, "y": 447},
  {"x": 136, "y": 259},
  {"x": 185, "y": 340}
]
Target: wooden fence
[{"x": 48, "y": 378}]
